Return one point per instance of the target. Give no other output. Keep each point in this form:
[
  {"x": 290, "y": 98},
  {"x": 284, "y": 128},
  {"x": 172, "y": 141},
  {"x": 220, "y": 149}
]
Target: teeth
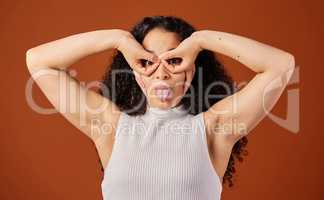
[{"x": 162, "y": 94}]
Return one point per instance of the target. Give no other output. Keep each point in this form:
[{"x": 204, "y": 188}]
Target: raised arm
[
  {"x": 90, "y": 112},
  {"x": 48, "y": 64},
  {"x": 236, "y": 115}
]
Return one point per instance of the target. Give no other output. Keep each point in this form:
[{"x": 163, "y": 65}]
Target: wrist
[
  {"x": 104, "y": 39},
  {"x": 121, "y": 37},
  {"x": 198, "y": 38}
]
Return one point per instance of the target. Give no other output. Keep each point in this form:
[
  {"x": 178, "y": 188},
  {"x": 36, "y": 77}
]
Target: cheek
[
  {"x": 145, "y": 83},
  {"x": 178, "y": 83},
  {"x": 179, "y": 80}
]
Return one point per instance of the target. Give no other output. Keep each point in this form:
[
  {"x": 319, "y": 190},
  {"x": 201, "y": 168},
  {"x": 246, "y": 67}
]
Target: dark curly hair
[{"x": 128, "y": 94}]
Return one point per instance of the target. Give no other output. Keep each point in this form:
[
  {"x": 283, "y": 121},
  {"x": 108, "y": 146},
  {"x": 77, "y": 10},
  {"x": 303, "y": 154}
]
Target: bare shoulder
[{"x": 87, "y": 110}]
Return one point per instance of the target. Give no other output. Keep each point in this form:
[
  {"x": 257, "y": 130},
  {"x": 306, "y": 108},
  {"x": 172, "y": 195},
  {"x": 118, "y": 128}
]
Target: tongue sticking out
[{"x": 163, "y": 94}]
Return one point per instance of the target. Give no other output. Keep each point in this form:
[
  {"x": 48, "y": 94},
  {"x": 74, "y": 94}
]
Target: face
[{"x": 162, "y": 88}]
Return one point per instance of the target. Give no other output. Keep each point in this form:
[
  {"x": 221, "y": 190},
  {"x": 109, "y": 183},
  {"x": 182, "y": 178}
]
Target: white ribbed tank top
[{"x": 161, "y": 155}]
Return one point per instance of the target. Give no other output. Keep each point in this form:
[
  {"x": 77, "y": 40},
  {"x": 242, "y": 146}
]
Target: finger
[
  {"x": 148, "y": 56},
  {"x": 169, "y": 54},
  {"x": 193, "y": 71},
  {"x": 139, "y": 68},
  {"x": 169, "y": 67},
  {"x": 150, "y": 69},
  {"x": 140, "y": 81},
  {"x": 182, "y": 67},
  {"x": 188, "y": 79}
]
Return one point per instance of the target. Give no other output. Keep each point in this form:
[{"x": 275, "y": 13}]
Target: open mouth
[{"x": 163, "y": 92}]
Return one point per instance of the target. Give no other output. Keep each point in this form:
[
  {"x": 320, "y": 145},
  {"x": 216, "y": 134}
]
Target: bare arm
[
  {"x": 247, "y": 107},
  {"x": 53, "y": 59}
]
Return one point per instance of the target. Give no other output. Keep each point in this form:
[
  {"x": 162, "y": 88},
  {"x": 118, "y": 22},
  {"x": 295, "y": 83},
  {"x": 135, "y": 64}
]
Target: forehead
[{"x": 159, "y": 40}]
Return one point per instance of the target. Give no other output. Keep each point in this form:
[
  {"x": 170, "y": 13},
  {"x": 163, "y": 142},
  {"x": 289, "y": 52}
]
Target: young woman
[{"x": 168, "y": 137}]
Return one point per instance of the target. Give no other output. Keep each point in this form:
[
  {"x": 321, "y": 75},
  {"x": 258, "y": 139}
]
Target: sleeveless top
[{"x": 161, "y": 155}]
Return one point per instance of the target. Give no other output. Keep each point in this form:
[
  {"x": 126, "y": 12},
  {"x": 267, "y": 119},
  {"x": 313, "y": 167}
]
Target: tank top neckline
[{"x": 169, "y": 113}]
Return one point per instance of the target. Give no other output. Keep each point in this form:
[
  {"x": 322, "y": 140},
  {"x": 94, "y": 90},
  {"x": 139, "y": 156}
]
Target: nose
[{"x": 161, "y": 73}]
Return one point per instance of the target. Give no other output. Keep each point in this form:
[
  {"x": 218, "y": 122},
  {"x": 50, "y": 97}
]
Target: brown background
[{"x": 45, "y": 157}]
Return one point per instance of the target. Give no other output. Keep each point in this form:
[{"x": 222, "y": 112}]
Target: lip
[
  {"x": 164, "y": 87},
  {"x": 161, "y": 86}
]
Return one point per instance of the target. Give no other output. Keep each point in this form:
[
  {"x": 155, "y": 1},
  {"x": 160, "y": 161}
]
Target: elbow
[
  {"x": 286, "y": 63},
  {"x": 290, "y": 61},
  {"x": 289, "y": 67},
  {"x": 33, "y": 60},
  {"x": 30, "y": 58}
]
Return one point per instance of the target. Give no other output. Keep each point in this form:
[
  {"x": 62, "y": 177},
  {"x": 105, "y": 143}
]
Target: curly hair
[{"x": 128, "y": 94}]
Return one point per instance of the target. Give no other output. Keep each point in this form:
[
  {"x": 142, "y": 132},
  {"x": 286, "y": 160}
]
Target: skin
[
  {"x": 159, "y": 41},
  {"x": 246, "y": 107}
]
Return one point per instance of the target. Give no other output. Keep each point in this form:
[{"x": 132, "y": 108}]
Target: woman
[{"x": 165, "y": 138}]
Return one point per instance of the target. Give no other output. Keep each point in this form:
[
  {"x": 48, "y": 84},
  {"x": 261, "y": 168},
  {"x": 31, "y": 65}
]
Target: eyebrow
[{"x": 154, "y": 52}]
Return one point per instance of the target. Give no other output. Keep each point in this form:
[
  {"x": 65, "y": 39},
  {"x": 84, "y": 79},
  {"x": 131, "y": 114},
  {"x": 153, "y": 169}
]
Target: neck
[{"x": 169, "y": 113}]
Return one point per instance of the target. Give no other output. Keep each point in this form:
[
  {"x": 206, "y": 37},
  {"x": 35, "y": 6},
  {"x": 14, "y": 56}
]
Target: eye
[
  {"x": 174, "y": 61},
  {"x": 146, "y": 63}
]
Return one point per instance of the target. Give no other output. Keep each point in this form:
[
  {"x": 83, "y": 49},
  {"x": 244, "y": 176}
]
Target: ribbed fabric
[{"x": 161, "y": 155}]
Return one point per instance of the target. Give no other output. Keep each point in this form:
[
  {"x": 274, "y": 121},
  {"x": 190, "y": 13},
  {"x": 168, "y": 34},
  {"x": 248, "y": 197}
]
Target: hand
[
  {"x": 135, "y": 54},
  {"x": 187, "y": 50}
]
